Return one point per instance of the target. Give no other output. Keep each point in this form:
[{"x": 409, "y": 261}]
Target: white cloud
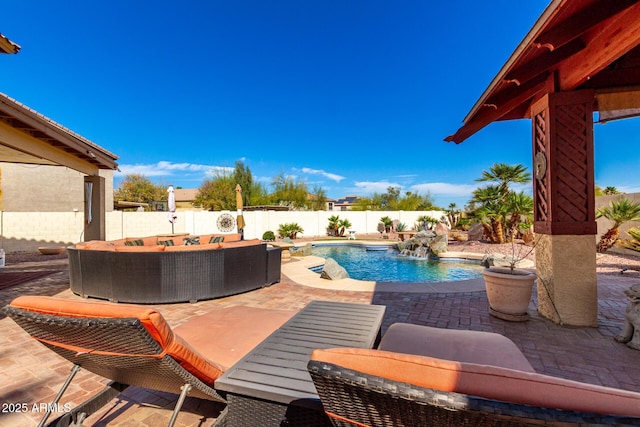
[
  {"x": 434, "y": 188},
  {"x": 164, "y": 168},
  {"x": 370, "y": 187},
  {"x": 331, "y": 176},
  {"x": 444, "y": 189}
]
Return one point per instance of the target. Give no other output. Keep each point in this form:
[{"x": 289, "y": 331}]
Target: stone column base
[{"x": 567, "y": 281}]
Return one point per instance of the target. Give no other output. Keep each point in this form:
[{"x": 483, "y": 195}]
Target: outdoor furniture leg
[
  {"x": 90, "y": 406},
  {"x": 185, "y": 390},
  {"x": 73, "y": 373}
]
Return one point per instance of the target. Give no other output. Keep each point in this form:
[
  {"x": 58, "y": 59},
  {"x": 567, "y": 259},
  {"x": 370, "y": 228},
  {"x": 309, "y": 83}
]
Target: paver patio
[{"x": 32, "y": 374}]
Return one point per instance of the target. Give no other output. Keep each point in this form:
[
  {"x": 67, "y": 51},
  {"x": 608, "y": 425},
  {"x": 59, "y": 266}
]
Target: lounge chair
[
  {"x": 423, "y": 376},
  {"x": 134, "y": 345}
]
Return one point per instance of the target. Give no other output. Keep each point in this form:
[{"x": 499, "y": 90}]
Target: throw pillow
[
  {"x": 165, "y": 242},
  {"x": 216, "y": 239},
  {"x": 188, "y": 241},
  {"x": 135, "y": 242}
]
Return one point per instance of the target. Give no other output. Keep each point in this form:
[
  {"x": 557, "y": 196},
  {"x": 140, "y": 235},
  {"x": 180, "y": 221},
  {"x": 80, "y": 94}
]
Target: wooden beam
[
  {"x": 609, "y": 41},
  {"x": 612, "y": 78},
  {"x": 26, "y": 143},
  {"x": 501, "y": 106},
  {"x": 580, "y": 23},
  {"x": 544, "y": 62}
]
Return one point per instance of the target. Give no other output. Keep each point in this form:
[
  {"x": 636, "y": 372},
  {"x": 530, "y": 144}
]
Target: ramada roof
[{"x": 574, "y": 45}]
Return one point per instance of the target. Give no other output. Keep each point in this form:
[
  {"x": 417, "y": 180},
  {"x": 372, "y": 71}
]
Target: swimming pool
[{"x": 389, "y": 266}]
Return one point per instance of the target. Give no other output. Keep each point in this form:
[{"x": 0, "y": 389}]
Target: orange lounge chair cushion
[
  {"x": 227, "y": 335},
  {"x": 151, "y": 319},
  {"x": 489, "y": 382}
]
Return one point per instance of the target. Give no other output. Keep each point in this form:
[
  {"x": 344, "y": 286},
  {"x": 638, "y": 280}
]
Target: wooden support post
[{"x": 564, "y": 212}]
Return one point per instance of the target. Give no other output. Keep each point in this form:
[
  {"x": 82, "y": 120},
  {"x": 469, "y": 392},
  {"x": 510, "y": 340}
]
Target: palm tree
[
  {"x": 453, "y": 215},
  {"x": 505, "y": 174},
  {"x": 498, "y": 201},
  {"x": 344, "y": 224},
  {"x": 492, "y": 210},
  {"x": 619, "y": 211},
  {"x": 333, "y": 224},
  {"x": 521, "y": 206},
  {"x": 609, "y": 190}
]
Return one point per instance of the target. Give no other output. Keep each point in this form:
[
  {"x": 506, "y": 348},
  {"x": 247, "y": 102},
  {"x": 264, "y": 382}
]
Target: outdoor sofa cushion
[
  {"x": 208, "y": 246},
  {"x": 208, "y": 238},
  {"x": 154, "y": 248},
  {"x": 240, "y": 243},
  {"x": 159, "y": 240},
  {"x": 141, "y": 241},
  {"x": 98, "y": 246}
]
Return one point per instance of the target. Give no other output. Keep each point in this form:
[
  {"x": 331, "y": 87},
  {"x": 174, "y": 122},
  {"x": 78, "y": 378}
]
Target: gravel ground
[{"x": 608, "y": 263}]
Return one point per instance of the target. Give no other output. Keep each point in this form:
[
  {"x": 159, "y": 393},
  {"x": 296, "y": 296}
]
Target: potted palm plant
[
  {"x": 509, "y": 288},
  {"x": 509, "y": 291}
]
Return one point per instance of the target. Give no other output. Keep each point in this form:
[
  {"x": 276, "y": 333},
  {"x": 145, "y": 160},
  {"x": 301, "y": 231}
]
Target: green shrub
[{"x": 269, "y": 236}]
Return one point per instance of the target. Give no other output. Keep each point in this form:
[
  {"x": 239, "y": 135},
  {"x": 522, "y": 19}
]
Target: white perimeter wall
[{"x": 26, "y": 231}]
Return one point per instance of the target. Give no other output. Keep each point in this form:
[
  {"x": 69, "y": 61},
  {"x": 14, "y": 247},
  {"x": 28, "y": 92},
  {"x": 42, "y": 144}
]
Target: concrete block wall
[{"x": 26, "y": 231}]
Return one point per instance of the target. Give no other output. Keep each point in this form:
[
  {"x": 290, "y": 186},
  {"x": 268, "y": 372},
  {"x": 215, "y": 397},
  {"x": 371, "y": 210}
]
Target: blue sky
[{"x": 352, "y": 96}]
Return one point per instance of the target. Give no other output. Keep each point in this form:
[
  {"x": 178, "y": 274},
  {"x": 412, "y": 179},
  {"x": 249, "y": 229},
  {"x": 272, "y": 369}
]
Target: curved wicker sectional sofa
[{"x": 152, "y": 273}]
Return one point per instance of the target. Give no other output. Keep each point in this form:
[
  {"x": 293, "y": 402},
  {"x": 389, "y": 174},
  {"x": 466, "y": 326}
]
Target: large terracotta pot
[{"x": 509, "y": 292}]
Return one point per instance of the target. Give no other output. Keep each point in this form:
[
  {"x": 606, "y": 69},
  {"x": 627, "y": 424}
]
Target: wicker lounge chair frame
[
  {"x": 352, "y": 398},
  {"x": 121, "y": 350}
]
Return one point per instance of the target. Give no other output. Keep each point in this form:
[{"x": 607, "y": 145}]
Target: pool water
[{"x": 390, "y": 266}]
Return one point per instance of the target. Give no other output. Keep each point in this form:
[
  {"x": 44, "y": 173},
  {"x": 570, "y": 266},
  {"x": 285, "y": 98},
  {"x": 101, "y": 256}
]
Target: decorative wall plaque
[
  {"x": 226, "y": 222},
  {"x": 540, "y": 165}
]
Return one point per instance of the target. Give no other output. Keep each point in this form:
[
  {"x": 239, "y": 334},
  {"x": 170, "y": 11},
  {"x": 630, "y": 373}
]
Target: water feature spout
[{"x": 421, "y": 244}]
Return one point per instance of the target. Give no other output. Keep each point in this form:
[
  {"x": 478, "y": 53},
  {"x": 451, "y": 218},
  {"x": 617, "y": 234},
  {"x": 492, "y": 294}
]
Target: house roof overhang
[
  {"x": 586, "y": 44},
  {"x": 7, "y": 46},
  {"x": 27, "y": 136}
]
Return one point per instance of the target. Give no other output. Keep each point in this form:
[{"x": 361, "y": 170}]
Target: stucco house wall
[{"x": 45, "y": 188}]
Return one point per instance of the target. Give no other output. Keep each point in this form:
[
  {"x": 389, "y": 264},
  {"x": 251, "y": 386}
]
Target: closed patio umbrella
[
  {"x": 172, "y": 207},
  {"x": 240, "y": 218}
]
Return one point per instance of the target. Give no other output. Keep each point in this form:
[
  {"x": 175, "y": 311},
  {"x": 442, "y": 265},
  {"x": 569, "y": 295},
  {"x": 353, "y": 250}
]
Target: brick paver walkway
[{"x": 31, "y": 374}]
